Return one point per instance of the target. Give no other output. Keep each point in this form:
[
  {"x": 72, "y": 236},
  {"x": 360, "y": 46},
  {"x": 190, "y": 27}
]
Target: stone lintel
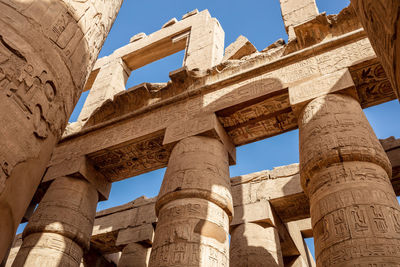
[
  {"x": 258, "y": 212},
  {"x": 301, "y": 94},
  {"x": 207, "y": 125},
  {"x": 126, "y": 124},
  {"x": 238, "y": 49},
  {"x": 82, "y": 168},
  {"x": 204, "y": 50},
  {"x": 141, "y": 234}
]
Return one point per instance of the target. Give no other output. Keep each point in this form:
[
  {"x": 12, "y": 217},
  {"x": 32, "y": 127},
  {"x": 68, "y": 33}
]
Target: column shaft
[
  {"x": 254, "y": 245},
  {"x": 47, "y": 51},
  {"x": 194, "y": 206},
  {"x": 59, "y": 231},
  {"x": 135, "y": 255},
  {"x": 345, "y": 173}
]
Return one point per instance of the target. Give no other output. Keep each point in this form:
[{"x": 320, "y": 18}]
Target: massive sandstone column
[
  {"x": 59, "y": 231},
  {"x": 194, "y": 206},
  {"x": 381, "y": 21},
  {"x": 345, "y": 173},
  {"x": 254, "y": 245},
  {"x": 47, "y": 49}
]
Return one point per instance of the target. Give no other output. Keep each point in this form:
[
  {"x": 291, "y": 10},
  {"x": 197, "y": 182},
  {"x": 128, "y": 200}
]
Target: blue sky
[{"x": 261, "y": 22}]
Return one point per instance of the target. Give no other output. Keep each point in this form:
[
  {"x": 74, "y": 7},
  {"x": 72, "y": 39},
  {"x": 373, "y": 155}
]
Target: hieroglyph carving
[
  {"x": 380, "y": 19},
  {"x": 133, "y": 159},
  {"x": 345, "y": 173},
  {"x": 78, "y": 29},
  {"x": 47, "y": 49},
  {"x": 33, "y": 91},
  {"x": 373, "y": 85}
]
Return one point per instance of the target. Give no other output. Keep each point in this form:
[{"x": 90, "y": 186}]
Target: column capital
[
  {"x": 337, "y": 82},
  {"x": 80, "y": 168},
  {"x": 206, "y": 125}
]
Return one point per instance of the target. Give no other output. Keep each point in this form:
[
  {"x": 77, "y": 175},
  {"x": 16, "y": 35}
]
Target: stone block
[
  {"x": 80, "y": 167},
  {"x": 140, "y": 234},
  {"x": 301, "y": 94},
  {"x": 297, "y": 11},
  {"x": 255, "y": 212},
  {"x": 206, "y": 125},
  {"x": 238, "y": 49}
]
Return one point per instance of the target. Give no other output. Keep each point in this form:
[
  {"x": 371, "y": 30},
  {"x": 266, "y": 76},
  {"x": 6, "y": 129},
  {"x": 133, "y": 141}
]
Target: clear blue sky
[{"x": 260, "y": 21}]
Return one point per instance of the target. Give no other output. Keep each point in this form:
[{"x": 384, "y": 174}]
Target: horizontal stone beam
[
  {"x": 237, "y": 95},
  {"x": 256, "y": 198},
  {"x": 115, "y": 227},
  {"x": 273, "y": 198},
  {"x": 281, "y": 187}
]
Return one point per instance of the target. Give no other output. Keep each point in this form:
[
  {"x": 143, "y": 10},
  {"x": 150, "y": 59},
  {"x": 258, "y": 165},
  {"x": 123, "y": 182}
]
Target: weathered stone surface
[
  {"x": 109, "y": 223},
  {"x": 372, "y": 83},
  {"x": 298, "y": 230},
  {"x": 47, "y": 49},
  {"x": 380, "y": 19},
  {"x": 194, "y": 206},
  {"x": 206, "y": 125},
  {"x": 193, "y": 123},
  {"x": 254, "y": 245},
  {"x": 281, "y": 186},
  {"x": 59, "y": 231},
  {"x": 80, "y": 168},
  {"x": 14, "y": 250},
  {"x": 250, "y": 110},
  {"x": 238, "y": 49},
  {"x": 94, "y": 258},
  {"x": 302, "y": 93},
  {"x": 135, "y": 255},
  {"x": 143, "y": 234},
  {"x": 295, "y": 12},
  {"x": 345, "y": 173},
  {"x": 110, "y": 80},
  {"x": 200, "y": 35}
]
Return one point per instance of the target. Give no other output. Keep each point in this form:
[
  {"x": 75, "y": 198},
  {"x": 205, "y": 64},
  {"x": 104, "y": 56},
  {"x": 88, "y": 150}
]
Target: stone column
[
  {"x": 346, "y": 175},
  {"x": 254, "y": 245},
  {"x": 59, "y": 231},
  {"x": 135, "y": 255},
  {"x": 194, "y": 206},
  {"x": 137, "y": 241},
  {"x": 381, "y": 21},
  {"x": 47, "y": 49}
]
